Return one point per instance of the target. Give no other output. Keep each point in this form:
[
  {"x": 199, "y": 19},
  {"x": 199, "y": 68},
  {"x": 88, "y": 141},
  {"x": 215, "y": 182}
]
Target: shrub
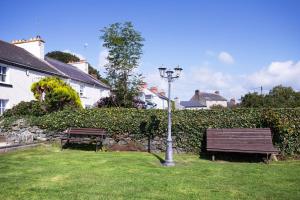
[
  {"x": 188, "y": 126},
  {"x": 25, "y": 108},
  {"x": 57, "y": 94}
]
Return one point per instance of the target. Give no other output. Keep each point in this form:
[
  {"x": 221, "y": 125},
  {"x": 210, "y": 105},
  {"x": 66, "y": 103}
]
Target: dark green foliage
[
  {"x": 124, "y": 45},
  {"x": 63, "y": 56},
  {"x": 26, "y": 108},
  {"x": 189, "y": 126},
  {"x": 278, "y": 97},
  {"x": 285, "y": 124}
]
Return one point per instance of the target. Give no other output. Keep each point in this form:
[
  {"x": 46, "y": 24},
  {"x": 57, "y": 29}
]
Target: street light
[{"x": 168, "y": 74}]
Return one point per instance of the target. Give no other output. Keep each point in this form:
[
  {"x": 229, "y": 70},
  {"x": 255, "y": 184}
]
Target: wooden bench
[
  {"x": 241, "y": 140},
  {"x": 83, "y": 135}
]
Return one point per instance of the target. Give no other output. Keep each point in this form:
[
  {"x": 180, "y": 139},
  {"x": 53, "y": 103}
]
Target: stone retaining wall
[{"x": 21, "y": 133}]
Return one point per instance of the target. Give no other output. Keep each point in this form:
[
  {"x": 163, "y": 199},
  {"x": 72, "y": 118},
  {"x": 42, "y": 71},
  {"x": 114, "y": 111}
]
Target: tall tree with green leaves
[
  {"x": 278, "y": 97},
  {"x": 124, "y": 45}
]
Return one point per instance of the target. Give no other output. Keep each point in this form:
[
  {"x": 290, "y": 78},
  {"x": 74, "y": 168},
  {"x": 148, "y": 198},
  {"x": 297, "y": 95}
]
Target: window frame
[
  {"x": 3, "y": 104},
  {"x": 3, "y": 75},
  {"x": 81, "y": 90}
]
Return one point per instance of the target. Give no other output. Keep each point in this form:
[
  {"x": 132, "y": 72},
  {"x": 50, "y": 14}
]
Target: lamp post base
[{"x": 168, "y": 164}]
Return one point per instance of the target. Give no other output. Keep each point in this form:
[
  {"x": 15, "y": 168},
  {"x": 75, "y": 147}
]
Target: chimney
[
  {"x": 162, "y": 93},
  {"x": 82, "y": 65},
  {"x": 217, "y": 92},
  {"x": 197, "y": 92},
  {"x": 153, "y": 89},
  {"x": 232, "y": 101},
  {"x": 35, "y": 46}
]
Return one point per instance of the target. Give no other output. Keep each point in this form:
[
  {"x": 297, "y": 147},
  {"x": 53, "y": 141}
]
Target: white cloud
[
  {"x": 285, "y": 73},
  {"x": 225, "y": 57},
  {"x": 103, "y": 58},
  {"x": 76, "y": 54},
  {"x": 206, "y": 79}
]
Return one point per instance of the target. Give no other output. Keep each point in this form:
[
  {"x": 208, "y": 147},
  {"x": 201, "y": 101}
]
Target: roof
[
  {"x": 191, "y": 104},
  {"x": 162, "y": 96},
  {"x": 201, "y": 96},
  {"x": 18, "y": 56},
  {"x": 74, "y": 73}
]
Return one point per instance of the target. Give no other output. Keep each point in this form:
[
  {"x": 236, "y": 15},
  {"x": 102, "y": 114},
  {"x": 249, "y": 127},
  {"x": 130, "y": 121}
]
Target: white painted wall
[
  {"x": 160, "y": 103},
  {"x": 91, "y": 94},
  {"x": 22, "y": 82},
  {"x": 82, "y": 65},
  {"x": 34, "y": 46},
  {"x": 21, "y": 85}
]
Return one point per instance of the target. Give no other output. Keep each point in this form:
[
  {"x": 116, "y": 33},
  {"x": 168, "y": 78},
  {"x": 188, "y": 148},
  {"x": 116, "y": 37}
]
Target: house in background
[
  {"x": 202, "y": 100},
  {"x": 153, "y": 98},
  {"x": 22, "y": 63}
]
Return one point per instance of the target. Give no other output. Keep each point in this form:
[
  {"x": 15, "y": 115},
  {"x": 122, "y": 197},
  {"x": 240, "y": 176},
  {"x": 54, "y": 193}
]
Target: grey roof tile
[
  {"x": 204, "y": 96},
  {"x": 74, "y": 73},
  {"x": 191, "y": 104},
  {"x": 18, "y": 56}
]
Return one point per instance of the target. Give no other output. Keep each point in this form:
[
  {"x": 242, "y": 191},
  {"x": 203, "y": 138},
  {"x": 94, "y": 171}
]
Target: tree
[
  {"x": 63, "y": 56},
  {"x": 124, "y": 45},
  {"x": 55, "y": 94},
  {"x": 278, "y": 97},
  {"x": 67, "y": 57}
]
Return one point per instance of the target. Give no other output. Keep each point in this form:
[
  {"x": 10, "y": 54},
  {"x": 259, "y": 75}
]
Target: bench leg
[
  {"x": 273, "y": 157},
  {"x": 213, "y": 157},
  {"x": 61, "y": 144}
]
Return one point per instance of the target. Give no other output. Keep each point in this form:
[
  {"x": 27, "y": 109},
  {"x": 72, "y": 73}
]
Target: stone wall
[{"x": 22, "y": 133}]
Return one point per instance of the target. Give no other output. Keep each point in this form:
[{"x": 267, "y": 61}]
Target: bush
[
  {"x": 25, "y": 108},
  {"x": 55, "y": 94},
  {"x": 285, "y": 125}
]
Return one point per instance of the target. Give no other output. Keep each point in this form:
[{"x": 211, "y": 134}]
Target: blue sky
[{"x": 232, "y": 46}]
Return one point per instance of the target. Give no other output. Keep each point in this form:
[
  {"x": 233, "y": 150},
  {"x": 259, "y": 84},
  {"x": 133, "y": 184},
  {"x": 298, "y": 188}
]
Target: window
[
  {"x": 3, "y": 74},
  {"x": 2, "y": 106},
  {"x": 81, "y": 91}
]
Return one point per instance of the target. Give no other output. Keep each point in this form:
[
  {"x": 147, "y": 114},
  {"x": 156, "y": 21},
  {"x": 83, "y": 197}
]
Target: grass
[{"x": 48, "y": 173}]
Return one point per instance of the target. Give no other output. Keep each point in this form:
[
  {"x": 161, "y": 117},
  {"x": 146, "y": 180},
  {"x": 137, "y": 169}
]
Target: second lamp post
[{"x": 168, "y": 74}]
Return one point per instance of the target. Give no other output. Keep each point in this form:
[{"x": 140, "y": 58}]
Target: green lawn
[{"x": 48, "y": 173}]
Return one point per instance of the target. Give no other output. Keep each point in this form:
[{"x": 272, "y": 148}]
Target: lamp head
[
  {"x": 162, "y": 71},
  {"x": 177, "y": 71}
]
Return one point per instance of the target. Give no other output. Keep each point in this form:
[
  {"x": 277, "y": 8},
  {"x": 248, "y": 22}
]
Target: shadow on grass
[
  {"x": 234, "y": 157},
  {"x": 85, "y": 147},
  {"x": 161, "y": 160}
]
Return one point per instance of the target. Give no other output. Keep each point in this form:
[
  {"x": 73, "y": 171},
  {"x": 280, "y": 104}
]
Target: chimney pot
[{"x": 217, "y": 92}]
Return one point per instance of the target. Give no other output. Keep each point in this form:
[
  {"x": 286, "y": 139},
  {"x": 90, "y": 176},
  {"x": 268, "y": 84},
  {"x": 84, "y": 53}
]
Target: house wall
[
  {"x": 91, "y": 94},
  {"x": 211, "y": 103},
  {"x": 160, "y": 103},
  {"x": 21, "y": 84}
]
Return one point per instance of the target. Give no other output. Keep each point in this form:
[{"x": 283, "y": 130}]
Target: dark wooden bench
[
  {"x": 83, "y": 135},
  {"x": 241, "y": 140}
]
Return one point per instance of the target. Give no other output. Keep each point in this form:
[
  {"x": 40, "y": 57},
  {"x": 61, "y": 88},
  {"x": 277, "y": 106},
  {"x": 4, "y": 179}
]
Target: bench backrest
[
  {"x": 86, "y": 131},
  {"x": 256, "y": 140}
]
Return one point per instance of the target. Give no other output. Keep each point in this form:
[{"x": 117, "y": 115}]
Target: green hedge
[{"x": 189, "y": 126}]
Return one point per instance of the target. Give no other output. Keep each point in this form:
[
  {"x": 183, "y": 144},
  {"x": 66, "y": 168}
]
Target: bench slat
[{"x": 258, "y": 140}]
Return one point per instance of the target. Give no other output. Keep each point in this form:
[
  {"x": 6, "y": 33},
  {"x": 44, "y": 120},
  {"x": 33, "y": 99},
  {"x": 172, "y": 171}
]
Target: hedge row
[{"x": 188, "y": 126}]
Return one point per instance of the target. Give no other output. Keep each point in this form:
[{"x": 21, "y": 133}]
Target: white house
[
  {"x": 152, "y": 98},
  {"x": 23, "y": 63},
  {"x": 203, "y": 100}
]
